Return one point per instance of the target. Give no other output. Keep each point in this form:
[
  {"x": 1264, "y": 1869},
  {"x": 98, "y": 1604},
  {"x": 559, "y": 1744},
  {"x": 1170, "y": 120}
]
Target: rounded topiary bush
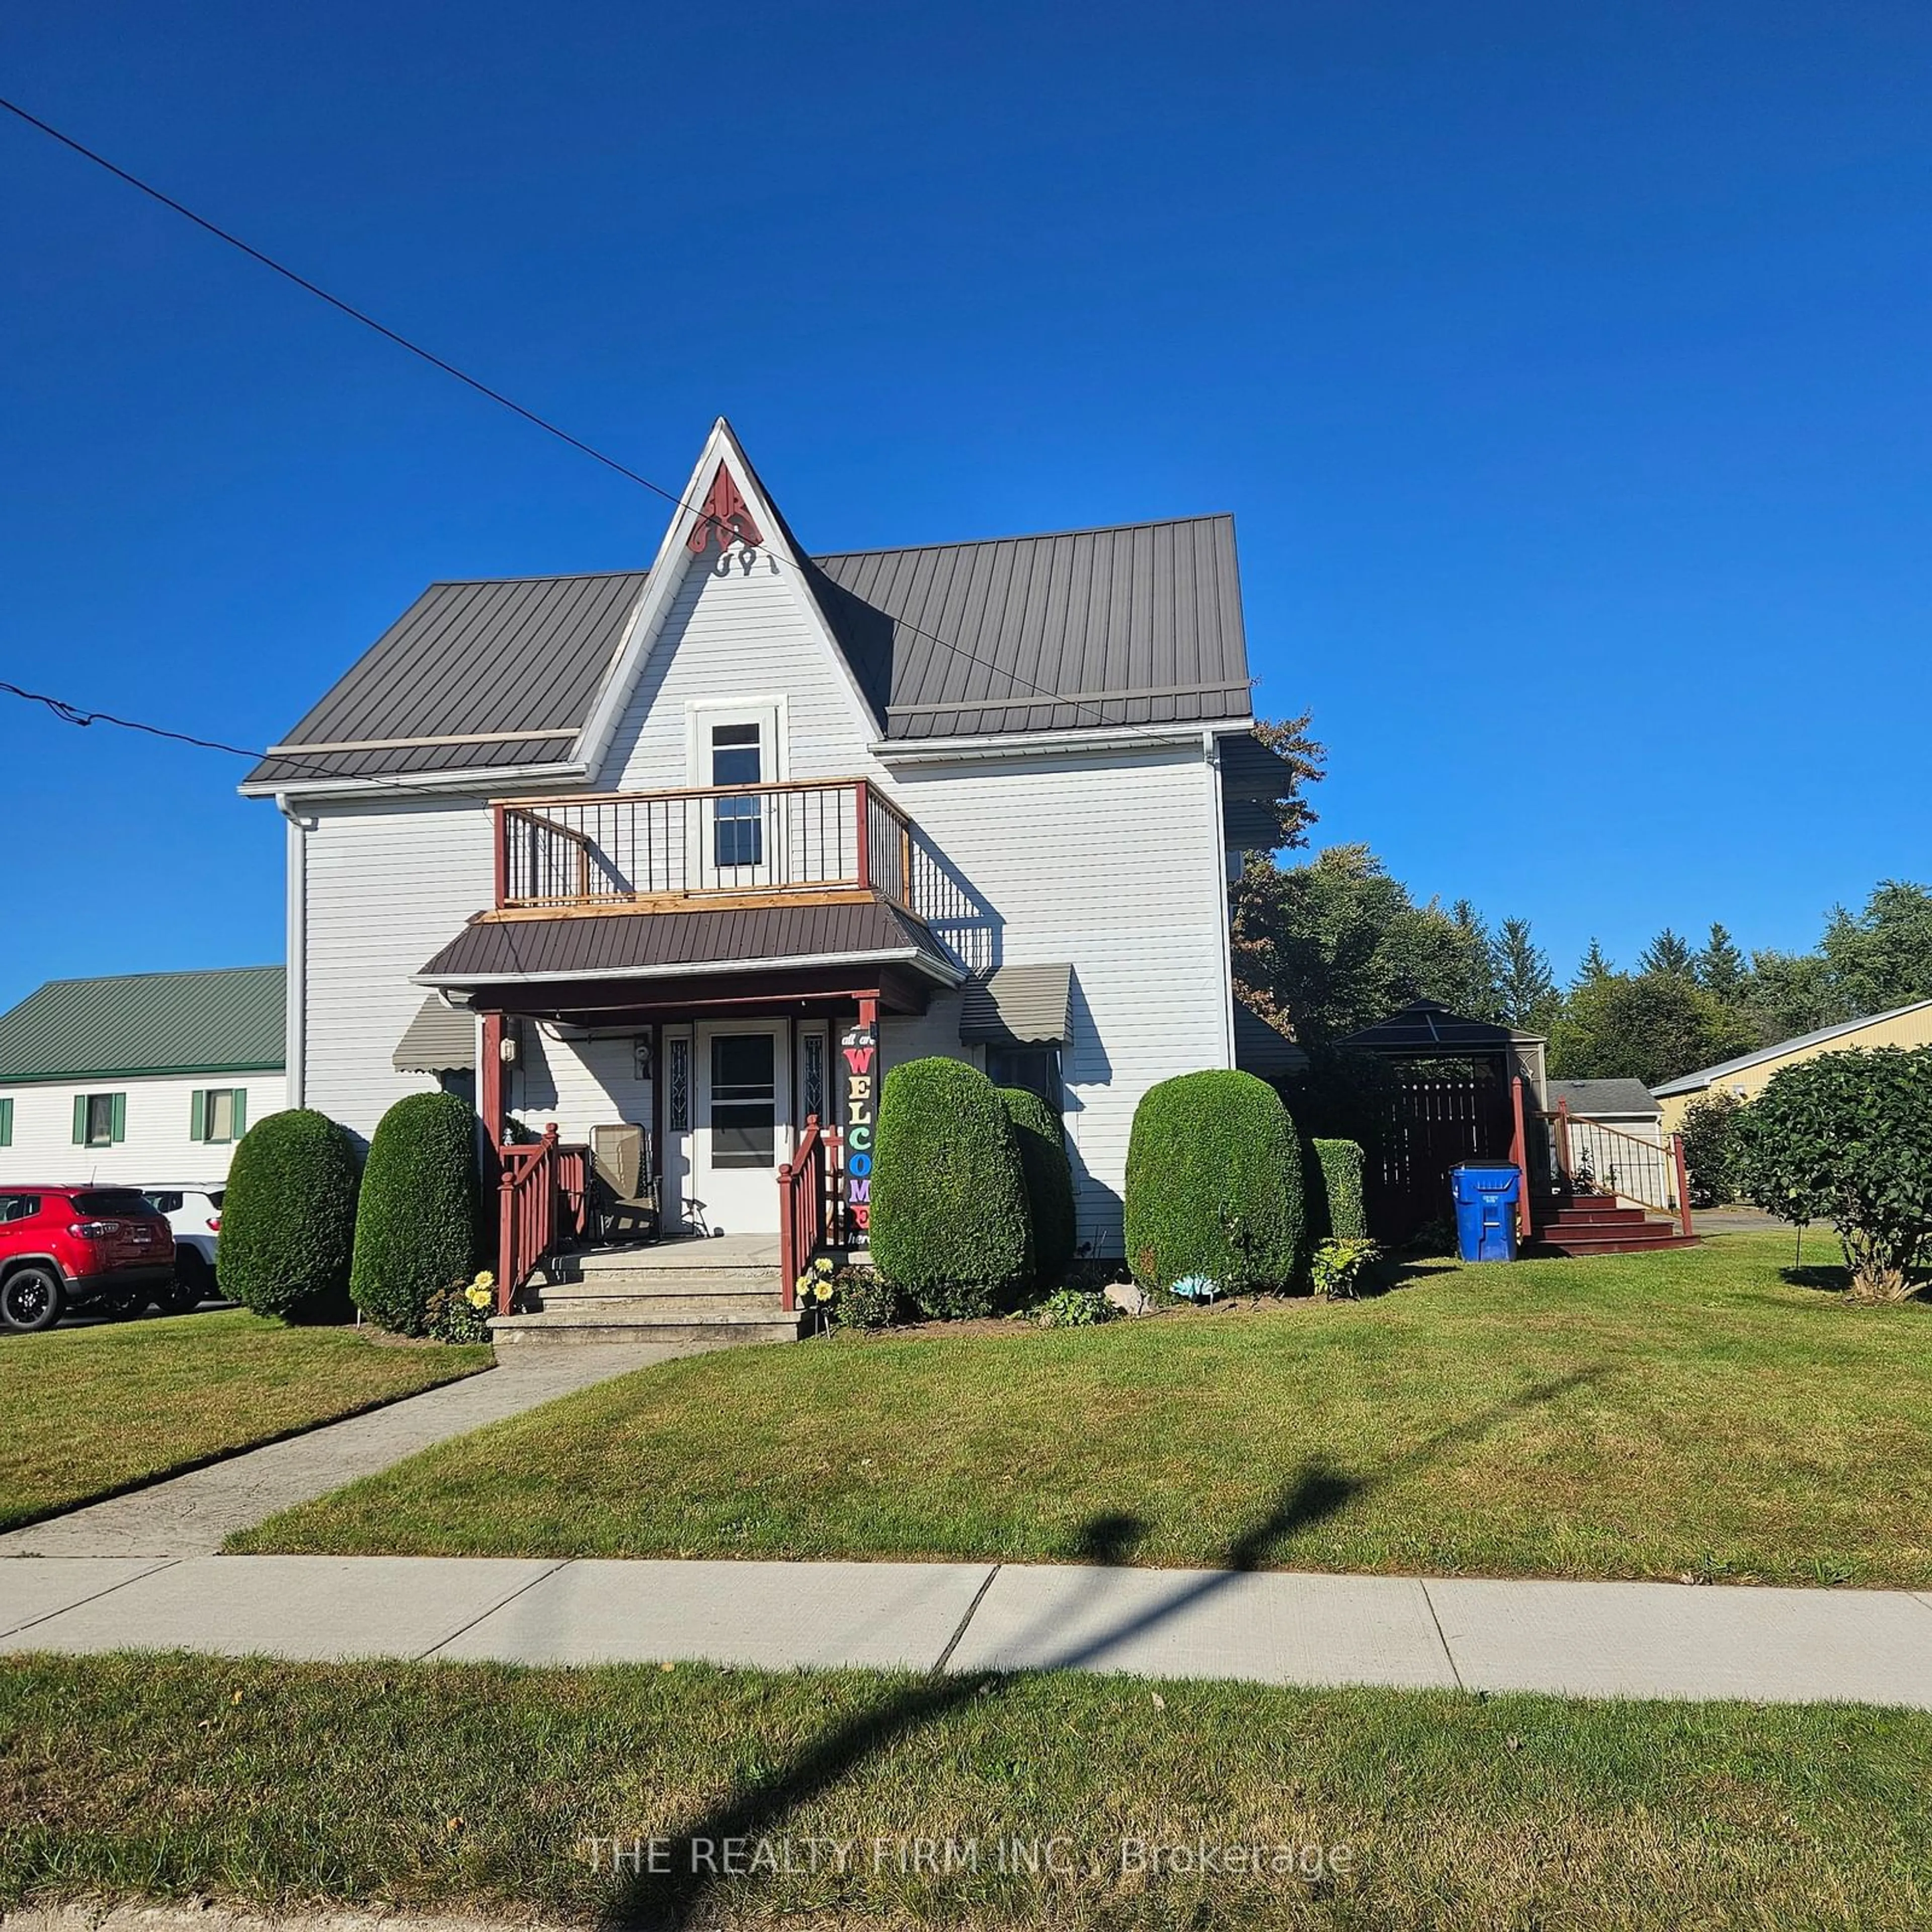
[
  {"x": 1049, "y": 1182},
  {"x": 419, "y": 1226},
  {"x": 1213, "y": 1184},
  {"x": 949, "y": 1227},
  {"x": 288, "y": 1218}
]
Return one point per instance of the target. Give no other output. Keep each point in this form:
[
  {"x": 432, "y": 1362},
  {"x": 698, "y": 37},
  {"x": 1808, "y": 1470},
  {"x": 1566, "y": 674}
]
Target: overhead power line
[{"x": 74, "y": 715}]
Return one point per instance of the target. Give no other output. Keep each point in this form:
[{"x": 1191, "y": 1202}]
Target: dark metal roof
[
  {"x": 1426, "y": 1026},
  {"x": 645, "y": 945},
  {"x": 1137, "y": 625},
  {"x": 232, "y": 1020},
  {"x": 1026, "y": 1005},
  {"x": 439, "y": 1039},
  {"x": 1592, "y": 1099},
  {"x": 524, "y": 654}
]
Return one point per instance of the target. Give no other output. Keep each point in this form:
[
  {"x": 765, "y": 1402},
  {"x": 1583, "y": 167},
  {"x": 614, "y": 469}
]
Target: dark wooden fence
[{"x": 1430, "y": 1124}]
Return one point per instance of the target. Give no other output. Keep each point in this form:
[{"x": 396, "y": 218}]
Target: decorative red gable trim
[{"x": 722, "y": 516}]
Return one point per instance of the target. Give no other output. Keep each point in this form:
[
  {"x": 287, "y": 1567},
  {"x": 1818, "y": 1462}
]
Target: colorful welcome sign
[{"x": 860, "y": 1047}]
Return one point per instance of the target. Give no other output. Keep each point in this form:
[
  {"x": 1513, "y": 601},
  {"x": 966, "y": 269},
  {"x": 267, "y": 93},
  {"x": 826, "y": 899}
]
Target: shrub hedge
[
  {"x": 949, "y": 1227},
  {"x": 419, "y": 1228},
  {"x": 1049, "y": 1182},
  {"x": 1213, "y": 1184},
  {"x": 288, "y": 1218},
  {"x": 1337, "y": 1210}
]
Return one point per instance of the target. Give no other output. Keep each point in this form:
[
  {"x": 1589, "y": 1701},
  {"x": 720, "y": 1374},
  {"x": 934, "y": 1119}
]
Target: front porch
[{"x": 680, "y": 995}]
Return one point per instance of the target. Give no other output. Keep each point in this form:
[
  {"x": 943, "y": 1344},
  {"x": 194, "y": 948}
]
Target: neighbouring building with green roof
[{"x": 146, "y": 1078}]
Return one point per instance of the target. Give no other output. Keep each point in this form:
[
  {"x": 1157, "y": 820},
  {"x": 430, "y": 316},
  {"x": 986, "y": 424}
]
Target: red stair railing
[
  {"x": 541, "y": 1202},
  {"x": 808, "y": 1204}
]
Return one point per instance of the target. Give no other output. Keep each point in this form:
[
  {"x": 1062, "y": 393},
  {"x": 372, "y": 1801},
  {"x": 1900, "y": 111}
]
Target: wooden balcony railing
[{"x": 614, "y": 848}]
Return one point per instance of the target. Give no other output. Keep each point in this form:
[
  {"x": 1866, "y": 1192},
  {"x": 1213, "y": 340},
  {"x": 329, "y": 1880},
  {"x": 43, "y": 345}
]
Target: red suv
[{"x": 79, "y": 1247}]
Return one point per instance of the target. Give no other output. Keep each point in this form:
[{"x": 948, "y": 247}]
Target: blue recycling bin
[{"x": 1486, "y": 1192}]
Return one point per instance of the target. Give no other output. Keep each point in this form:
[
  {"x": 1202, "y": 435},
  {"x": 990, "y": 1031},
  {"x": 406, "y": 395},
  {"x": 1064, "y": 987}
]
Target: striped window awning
[{"x": 1018, "y": 1006}]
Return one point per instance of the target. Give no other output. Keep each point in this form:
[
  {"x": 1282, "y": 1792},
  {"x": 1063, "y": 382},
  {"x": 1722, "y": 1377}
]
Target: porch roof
[{"x": 495, "y": 949}]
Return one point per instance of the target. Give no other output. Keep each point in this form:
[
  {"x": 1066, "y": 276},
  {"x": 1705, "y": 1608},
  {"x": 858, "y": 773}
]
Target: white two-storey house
[{"x": 702, "y": 848}]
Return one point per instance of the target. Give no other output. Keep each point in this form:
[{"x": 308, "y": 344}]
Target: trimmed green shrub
[
  {"x": 1711, "y": 1148},
  {"x": 1213, "y": 1184},
  {"x": 1337, "y": 1211},
  {"x": 419, "y": 1225},
  {"x": 288, "y": 1218},
  {"x": 949, "y": 1227},
  {"x": 1847, "y": 1138},
  {"x": 863, "y": 1299},
  {"x": 1049, "y": 1182}
]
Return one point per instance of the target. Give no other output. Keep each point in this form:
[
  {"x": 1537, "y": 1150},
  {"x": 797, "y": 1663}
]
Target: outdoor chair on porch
[{"x": 624, "y": 1195}]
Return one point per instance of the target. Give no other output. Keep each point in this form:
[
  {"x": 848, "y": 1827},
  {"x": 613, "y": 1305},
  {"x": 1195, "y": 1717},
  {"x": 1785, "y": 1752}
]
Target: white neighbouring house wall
[{"x": 157, "y": 1148}]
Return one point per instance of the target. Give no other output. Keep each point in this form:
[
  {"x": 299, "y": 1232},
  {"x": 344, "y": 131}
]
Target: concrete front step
[
  {"x": 608, "y": 1285},
  {"x": 568, "y": 1328},
  {"x": 658, "y": 1304}
]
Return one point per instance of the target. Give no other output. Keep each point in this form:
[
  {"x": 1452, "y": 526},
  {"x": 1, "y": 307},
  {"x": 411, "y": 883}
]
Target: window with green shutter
[
  {"x": 7, "y": 1120},
  {"x": 217, "y": 1114},
  {"x": 99, "y": 1120}
]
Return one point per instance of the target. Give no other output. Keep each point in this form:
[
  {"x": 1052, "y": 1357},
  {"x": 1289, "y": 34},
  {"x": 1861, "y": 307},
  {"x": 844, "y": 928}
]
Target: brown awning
[{"x": 494, "y": 950}]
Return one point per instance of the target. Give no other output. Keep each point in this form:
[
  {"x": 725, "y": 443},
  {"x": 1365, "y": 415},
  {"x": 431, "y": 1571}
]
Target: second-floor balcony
[{"x": 664, "y": 849}]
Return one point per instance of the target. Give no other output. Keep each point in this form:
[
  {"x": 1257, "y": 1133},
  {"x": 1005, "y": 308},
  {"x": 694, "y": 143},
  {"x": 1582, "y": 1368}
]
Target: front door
[{"x": 741, "y": 1127}]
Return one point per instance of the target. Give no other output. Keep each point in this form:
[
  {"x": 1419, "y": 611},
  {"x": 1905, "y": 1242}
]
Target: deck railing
[
  {"x": 608, "y": 848},
  {"x": 807, "y": 1203},
  {"x": 541, "y": 1202},
  {"x": 1592, "y": 1157}
]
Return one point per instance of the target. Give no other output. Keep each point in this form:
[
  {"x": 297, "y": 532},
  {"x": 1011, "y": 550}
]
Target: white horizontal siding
[
  {"x": 389, "y": 885},
  {"x": 1113, "y": 867},
  {"x": 738, "y": 639},
  {"x": 157, "y": 1149},
  {"x": 579, "y": 1083}
]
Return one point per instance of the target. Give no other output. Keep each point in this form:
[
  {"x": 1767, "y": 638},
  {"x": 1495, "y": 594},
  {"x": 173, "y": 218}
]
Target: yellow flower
[
  {"x": 822, "y": 1290},
  {"x": 478, "y": 1297},
  {"x": 822, "y": 1266},
  {"x": 484, "y": 1279}
]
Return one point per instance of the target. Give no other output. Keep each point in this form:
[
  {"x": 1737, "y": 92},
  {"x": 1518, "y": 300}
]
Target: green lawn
[
  {"x": 90, "y": 1411},
  {"x": 1680, "y": 1412},
  {"x": 473, "y": 1787}
]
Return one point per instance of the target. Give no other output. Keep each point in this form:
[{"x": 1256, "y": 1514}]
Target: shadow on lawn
[{"x": 760, "y": 1806}]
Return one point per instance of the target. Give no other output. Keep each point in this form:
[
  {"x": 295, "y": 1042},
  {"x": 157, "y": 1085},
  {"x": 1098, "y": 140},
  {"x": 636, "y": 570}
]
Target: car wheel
[
  {"x": 190, "y": 1287},
  {"x": 30, "y": 1299}
]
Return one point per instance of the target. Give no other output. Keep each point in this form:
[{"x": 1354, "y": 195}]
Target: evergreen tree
[
  {"x": 1721, "y": 968},
  {"x": 1595, "y": 967},
  {"x": 1668, "y": 953},
  {"x": 1526, "y": 989}
]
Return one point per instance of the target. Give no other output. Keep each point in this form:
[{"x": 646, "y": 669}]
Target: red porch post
[
  {"x": 491, "y": 1078},
  {"x": 1519, "y": 1154},
  {"x": 1683, "y": 1183}
]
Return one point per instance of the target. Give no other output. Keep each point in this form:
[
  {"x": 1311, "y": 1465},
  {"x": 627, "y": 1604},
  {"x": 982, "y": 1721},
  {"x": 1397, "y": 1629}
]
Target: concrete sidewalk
[
  {"x": 194, "y": 1514},
  {"x": 1585, "y": 1639}
]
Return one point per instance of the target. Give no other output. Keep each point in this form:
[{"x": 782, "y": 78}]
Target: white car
[{"x": 194, "y": 1214}]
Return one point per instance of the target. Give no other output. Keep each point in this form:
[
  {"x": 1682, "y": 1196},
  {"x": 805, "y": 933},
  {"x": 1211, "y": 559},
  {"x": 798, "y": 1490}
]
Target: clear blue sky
[{"x": 1566, "y": 369}]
